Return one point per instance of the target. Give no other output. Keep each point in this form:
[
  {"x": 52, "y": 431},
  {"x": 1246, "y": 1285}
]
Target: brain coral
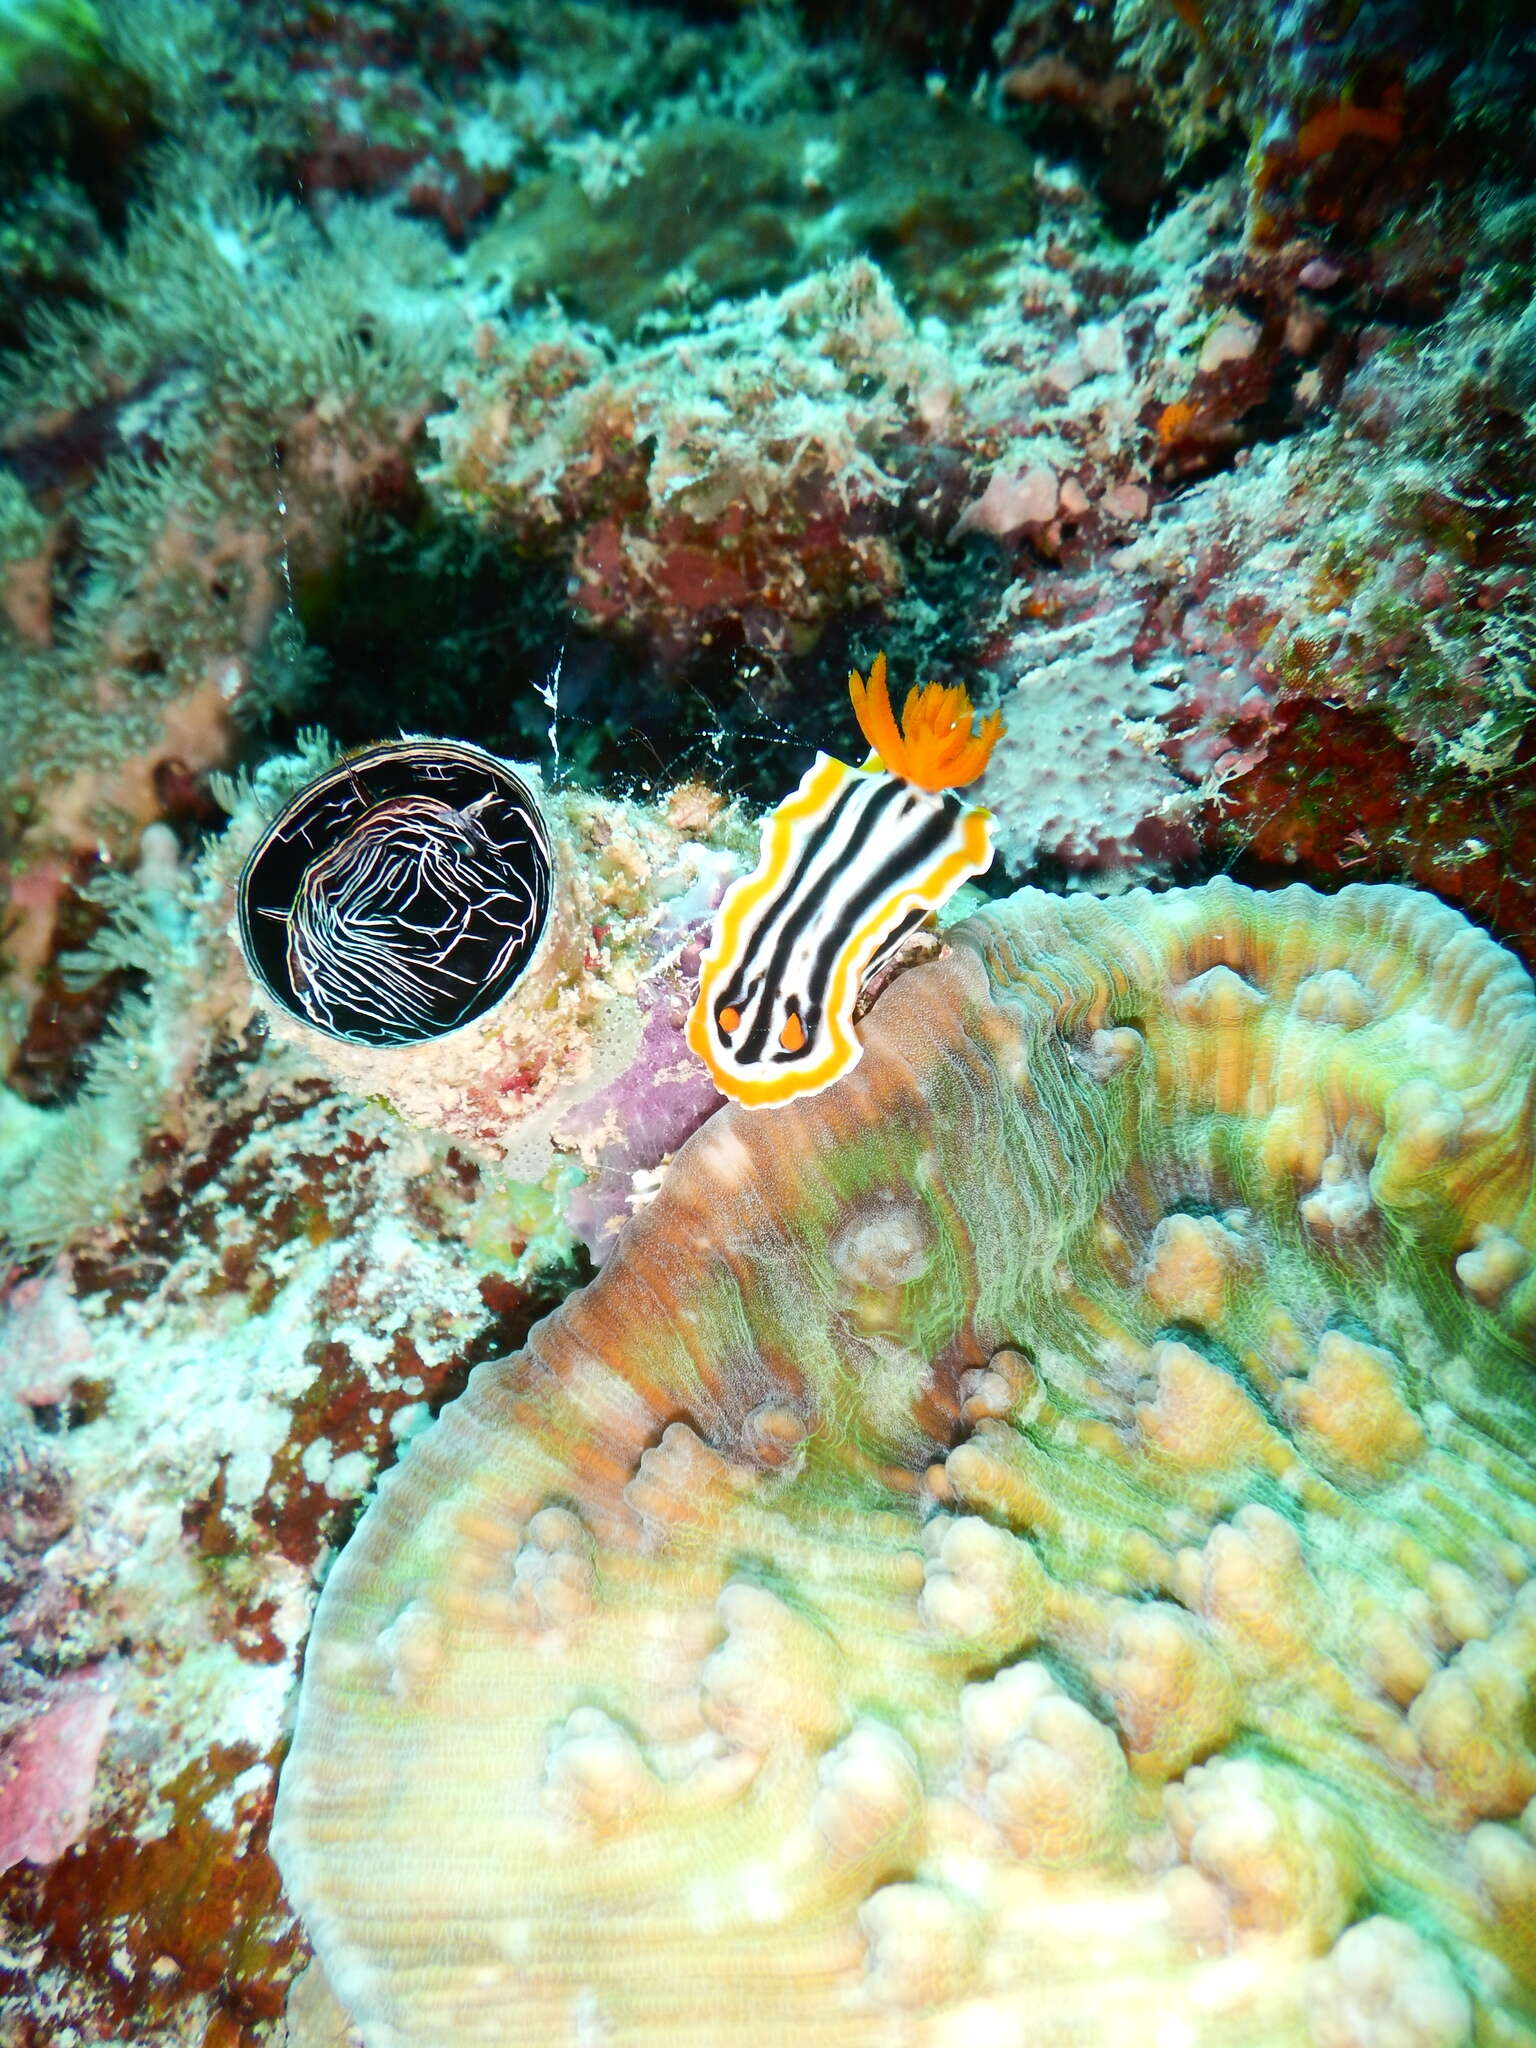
[{"x": 1033, "y": 1544}]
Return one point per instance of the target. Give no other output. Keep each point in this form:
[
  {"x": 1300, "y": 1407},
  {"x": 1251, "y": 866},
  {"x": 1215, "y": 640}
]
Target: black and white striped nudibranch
[
  {"x": 850, "y": 864},
  {"x": 398, "y": 896}
]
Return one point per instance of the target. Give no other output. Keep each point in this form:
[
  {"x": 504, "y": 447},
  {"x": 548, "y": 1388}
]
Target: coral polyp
[
  {"x": 1033, "y": 1542},
  {"x": 400, "y": 895}
]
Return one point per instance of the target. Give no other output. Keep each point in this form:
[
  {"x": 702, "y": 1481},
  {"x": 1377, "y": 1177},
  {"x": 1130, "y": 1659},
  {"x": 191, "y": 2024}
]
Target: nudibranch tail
[
  {"x": 937, "y": 744},
  {"x": 849, "y": 865}
]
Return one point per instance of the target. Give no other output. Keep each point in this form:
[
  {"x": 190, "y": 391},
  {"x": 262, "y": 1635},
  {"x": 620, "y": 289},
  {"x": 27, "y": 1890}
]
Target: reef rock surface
[{"x": 1034, "y": 1543}]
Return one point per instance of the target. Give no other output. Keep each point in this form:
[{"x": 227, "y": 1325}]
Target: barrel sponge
[{"x": 997, "y": 1554}]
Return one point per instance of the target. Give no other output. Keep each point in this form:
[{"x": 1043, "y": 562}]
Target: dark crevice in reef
[{"x": 428, "y": 626}]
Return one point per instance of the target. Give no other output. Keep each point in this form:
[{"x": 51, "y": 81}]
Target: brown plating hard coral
[{"x": 1036, "y": 1539}]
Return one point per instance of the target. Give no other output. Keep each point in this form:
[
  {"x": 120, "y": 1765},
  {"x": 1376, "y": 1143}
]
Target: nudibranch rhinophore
[
  {"x": 398, "y": 896},
  {"x": 850, "y": 864}
]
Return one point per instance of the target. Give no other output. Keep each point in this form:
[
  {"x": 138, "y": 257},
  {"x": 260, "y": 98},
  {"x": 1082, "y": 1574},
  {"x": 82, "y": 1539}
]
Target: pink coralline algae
[
  {"x": 627, "y": 1129},
  {"x": 48, "y": 1766},
  {"x": 55, "y": 1702},
  {"x": 1196, "y": 462},
  {"x": 1089, "y": 779},
  {"x": 47, "y": 1342},
  {"x": 744, "y": 499}
]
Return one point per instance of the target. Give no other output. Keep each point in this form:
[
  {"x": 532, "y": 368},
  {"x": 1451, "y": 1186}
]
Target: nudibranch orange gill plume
[{"x": 849, "y": 865}]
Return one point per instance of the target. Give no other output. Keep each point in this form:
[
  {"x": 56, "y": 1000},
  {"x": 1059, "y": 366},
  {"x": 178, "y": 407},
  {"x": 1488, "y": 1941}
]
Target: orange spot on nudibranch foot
[
  {"x": 729, "y": 1020},
  {"x": 937, "y": 744},
  {"x": 792, "y": 1035}
]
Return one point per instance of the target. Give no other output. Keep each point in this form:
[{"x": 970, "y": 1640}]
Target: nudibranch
[
  {"x": 849, "y": 865},
  {"x": 398, "y": 896}
]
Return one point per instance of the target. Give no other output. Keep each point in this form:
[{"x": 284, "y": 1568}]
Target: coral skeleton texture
[{"x": 990, "y": 1549}]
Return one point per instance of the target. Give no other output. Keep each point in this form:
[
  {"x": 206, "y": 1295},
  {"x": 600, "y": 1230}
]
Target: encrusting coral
[{"x": 1036, "y": 1539}]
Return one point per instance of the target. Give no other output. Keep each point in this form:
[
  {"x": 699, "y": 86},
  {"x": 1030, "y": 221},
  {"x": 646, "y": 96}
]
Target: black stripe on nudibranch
[
  {"x": 848, "y": 865},
  {"x": 812, "y": 902},
  {"x": 928, "y": 823},
  {"x": 398, "y": 896},
  {"x": 879, "y": 834}
]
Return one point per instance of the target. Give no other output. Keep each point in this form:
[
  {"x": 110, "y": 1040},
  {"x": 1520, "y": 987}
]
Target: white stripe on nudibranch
[{"x": 849, "y": 864}]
